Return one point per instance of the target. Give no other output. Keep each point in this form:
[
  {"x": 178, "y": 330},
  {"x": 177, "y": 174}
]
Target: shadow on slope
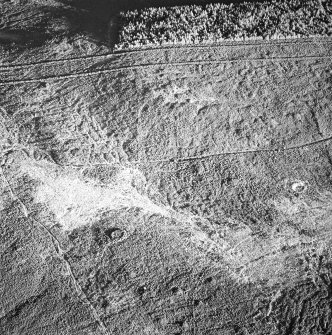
[{"x": 20, "y": 36}]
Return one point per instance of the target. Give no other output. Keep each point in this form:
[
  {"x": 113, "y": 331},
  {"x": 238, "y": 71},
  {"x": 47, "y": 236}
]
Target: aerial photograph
[{"x": 165, "y": 167}]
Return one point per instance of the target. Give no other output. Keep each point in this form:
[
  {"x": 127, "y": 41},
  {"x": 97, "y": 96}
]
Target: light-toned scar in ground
[{"x": 77, "y": 202}]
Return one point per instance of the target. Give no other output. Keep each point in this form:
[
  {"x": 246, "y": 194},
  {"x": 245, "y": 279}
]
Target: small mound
[{"x": 218, "y": 22}]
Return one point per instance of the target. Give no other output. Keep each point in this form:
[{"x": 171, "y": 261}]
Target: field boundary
[
  {"x": 161, "y": 64},
  {"x": 205, "y": 46}
]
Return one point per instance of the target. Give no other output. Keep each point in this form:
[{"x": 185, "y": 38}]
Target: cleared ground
[{"x": 168, "y": 191}]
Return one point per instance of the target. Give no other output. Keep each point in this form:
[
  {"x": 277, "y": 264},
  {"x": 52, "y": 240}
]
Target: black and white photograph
[{"x": 165, "y": 167}]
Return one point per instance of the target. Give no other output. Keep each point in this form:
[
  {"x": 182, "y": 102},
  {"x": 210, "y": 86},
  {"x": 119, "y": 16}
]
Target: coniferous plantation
[{"x": 218, "y": 22}]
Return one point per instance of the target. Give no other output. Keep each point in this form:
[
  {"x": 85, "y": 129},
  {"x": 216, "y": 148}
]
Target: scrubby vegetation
[{"x": 218, "y": 22}]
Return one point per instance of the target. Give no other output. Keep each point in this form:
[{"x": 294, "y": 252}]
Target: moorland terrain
[{"x": 169, "y": 190}]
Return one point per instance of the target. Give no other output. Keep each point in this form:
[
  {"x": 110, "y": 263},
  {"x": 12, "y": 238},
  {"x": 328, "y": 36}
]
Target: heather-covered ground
[{"x": 178, "y": 190}]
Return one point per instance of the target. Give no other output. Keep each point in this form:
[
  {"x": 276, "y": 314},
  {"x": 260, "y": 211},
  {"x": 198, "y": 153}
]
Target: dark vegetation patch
[
  {"x": 25, "y": 24},
  {"x": 218, "y": 22},
  {"x": 98, "y": 18}
]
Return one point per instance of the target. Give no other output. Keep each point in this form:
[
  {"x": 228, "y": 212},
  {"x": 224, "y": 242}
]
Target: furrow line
[
  {"x": 148, "y": 65},
  {"x": 240, "y": 152},
  {"x": 55, "y": 61},
  {"x": 7, "y": 66}
]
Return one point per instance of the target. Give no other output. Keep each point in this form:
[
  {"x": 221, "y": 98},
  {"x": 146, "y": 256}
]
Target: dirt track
[{"x": 291, "y": 50}]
